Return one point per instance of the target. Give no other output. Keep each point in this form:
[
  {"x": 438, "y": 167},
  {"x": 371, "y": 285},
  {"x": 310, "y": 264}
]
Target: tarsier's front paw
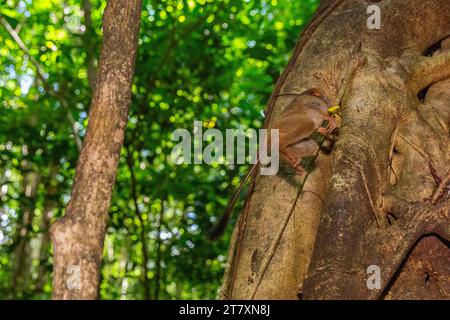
[
  {"x": 299, "y": 170},
  {"x": 331, "y": 125},
  {"x": 329, "y": 128}
]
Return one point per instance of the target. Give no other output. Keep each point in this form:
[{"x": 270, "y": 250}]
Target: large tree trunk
[
  {"x": 363, "y": 205},
  {"x": 78, "y": 237}
]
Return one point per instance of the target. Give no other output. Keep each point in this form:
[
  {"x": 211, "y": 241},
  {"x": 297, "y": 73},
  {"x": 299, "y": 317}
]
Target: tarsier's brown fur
[{"x": 303, "y": 116}]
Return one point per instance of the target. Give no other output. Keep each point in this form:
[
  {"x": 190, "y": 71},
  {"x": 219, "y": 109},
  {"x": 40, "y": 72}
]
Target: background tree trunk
[
  {"x": 21, "y": 260},
  {"x": 365, "y": 204},
  {"x": 50, "y": 205},
  {"x": 78, "y": 236}
]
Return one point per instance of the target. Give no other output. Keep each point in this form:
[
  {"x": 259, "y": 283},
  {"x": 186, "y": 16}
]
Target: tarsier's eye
[{"x": 315, "y": 93}]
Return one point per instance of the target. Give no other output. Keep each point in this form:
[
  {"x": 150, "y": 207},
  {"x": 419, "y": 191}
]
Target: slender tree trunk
[
  {"x": 51, "y": 203},
  {"x": 124, "y": 257},
  {"x": 143, "y": 234},
  {"x": 78, "y": 237},
  {"x": 384, "y": 187},
  {"x": 158, "y": 271},
  {"x": 21, "y": 253}
]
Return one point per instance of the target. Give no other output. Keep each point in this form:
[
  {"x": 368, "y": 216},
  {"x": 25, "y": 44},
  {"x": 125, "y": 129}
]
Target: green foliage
[{"x": 212, "y": 61}]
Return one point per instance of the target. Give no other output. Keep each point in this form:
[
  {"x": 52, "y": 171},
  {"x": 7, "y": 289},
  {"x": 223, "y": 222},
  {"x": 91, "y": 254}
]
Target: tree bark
[
  {"x": 384, "y": 186},
  {"x": 78, "y": 237}
]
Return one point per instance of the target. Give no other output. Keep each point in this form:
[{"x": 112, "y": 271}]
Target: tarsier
[{"x": 302, "y": 117}]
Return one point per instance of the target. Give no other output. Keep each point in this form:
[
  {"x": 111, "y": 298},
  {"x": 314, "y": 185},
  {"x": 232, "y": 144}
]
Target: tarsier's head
[
  {"x": 313, "y": 99},
  {"x": 316, "y": 96}
]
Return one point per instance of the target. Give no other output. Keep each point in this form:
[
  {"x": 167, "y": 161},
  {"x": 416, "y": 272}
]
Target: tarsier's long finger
[
  {"x": 299, "y": 170},
  {"x": 331, "y": 124},
  {"x": 331, "y": 128}
]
